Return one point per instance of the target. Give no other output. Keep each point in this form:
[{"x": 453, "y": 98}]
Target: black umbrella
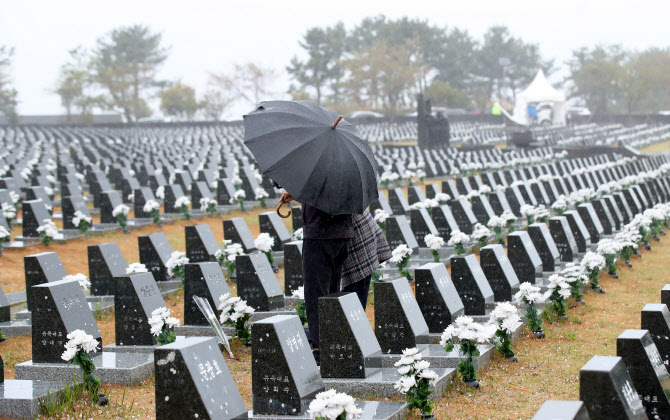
[{"x": 314, "y": 154}]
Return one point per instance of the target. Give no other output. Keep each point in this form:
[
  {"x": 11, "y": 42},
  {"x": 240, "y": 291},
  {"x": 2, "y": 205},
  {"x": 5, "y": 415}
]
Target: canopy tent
[{"x": 537, "y": 92}]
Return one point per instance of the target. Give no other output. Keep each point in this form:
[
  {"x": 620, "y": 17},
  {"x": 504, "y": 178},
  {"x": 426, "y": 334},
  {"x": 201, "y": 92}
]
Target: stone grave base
[
  {"x": 18, "y": 244},
  {"x": 195, "y": 214},
  {"x": 381, "y": 383},
  {"x": 112, "y": 368},
  {"x": 16, "y": 328},
  {"x": 61, "y": 236},
  {"x": 138, "y": 223},
  {"x": 20, "y": 399},
  {"x": 134, "y": 349},
  {"x": 372, "y": 410},
  {"x": 286, "y": 310},
  {"x": 168, "y": 286},
  {"x": 200, "y": 331},
  {"x": 439, "y": 358},
  {"x": 291, "y": 300}
]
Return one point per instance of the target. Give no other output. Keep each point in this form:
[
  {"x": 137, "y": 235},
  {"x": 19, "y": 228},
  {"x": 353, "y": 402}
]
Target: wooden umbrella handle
[{"x": 279, "y": 206}]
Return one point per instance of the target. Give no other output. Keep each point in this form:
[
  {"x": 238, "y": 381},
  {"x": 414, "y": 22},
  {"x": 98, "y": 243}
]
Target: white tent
[{"x": 539, "y": 91}]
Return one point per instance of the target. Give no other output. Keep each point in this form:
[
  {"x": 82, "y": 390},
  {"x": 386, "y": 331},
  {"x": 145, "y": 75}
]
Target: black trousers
[
  {"x": 361, "y": 288},
  {"x": 322, "y": 261}
]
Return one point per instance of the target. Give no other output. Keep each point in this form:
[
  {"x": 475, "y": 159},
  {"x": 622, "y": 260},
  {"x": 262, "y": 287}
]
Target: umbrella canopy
[{"x": 314, "y": 154}]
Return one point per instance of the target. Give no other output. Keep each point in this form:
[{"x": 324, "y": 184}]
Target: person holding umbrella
[{"x": 321, "y": 162}]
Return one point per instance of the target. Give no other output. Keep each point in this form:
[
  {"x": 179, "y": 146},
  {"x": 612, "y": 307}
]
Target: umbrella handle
[{"x": 280, "y": 204}]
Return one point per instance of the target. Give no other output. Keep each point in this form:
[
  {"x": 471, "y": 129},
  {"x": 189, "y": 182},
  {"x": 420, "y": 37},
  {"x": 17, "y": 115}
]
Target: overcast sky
[{"x": 207, "y": 36}]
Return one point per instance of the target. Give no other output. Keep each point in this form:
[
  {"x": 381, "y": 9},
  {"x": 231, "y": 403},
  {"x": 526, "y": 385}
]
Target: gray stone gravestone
[
  {"x": 155, "y": 251},
  {"x": 604, "y": 216},
  {"x": 142, "y": 195},
  {"x": 656, "y": 319},
  {"x": 172, "y": 193},
  {"x": 205, "y": 280},
  {"x": 292, "y": 267},
  {"x": 578, "y": 229},
  {"x": 69, "y": 206},
  {"x": 105, "y": 262},
  {"x": 45, "y": 267},
  {"x": 591, "y": 221},
  {"x": 272, "y": 224},
  {"x": 201, "y": 245},
  {"x": 110, "y": 200},
  {"x": 398, "y": 202},
  {"x": 437, "y": 296},
  {"x": 563, "y": 238},
  {"x": 257, "y": 283},
  {"x": 137, "y": 296},
  {"x": 524, "y": 257},
  {"x": 398, "y": 232},
  {"x": 545, "y": 246},
  {"x": 463, "y": 214},
  {"x": 34, "y": 215},
  {"x": 471, "y": 284},
  {"x": 422, "y": 225},
  {"x": 444, "y": 221},
  {"x": 499, "y": 272},
  {"x": 237, "y": 231},
  {"x": 199, "y": 189}
]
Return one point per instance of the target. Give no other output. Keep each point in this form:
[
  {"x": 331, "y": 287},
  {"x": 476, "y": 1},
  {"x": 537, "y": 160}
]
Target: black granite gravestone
[
  {"x": 348, "y": 346},
  {"x": 110, "y": 200},
  {"x": 155, "y": 251},
  {"x": 399, "y": 324},
  {"x": 415, "y": 194},
  {"x": 193, "y": 382},
  {"x": 604, "y": 216},
  {"x": 45, "y": 267},
  {"x": 482, "y": 209},
  {"x": 563, "y": 238},
  {"x": 142, "y": 195},
  {"x": 137, "y": 296},
  {"x": 646, "y": 369},
  {"x": 499, "y": 272},
  {"x": 199, "y": 189},
  {"x": 622, "y": 206},
  {"x": 591, "y": 221},
  {"x": 237, "y": 231},
  {"x": 524, "y": 257},
  {"x": 257, "y": 283},
  {"x": 225, "y": 190},
  {"x": 69, "y": 206},
  {"x": 444, "y": 221},
  {"x": 205, "y": 280},
  {"x": 172, "y": 193},
  {"x": 499, "y": 202},
  {"x": 398, "y": 232},
  {"x": 544, "y": 245},
  {"x": 633, "y": 203},
  {"x": 59, "y": 308},
  {"x": 129, "y": 186},
  {"x": 296, "y": 217},
  {"x": 578, "y": 229},
  {"x": 471, "y": 284},
  {"x": 463, "y": 215},
  {"x": 656, "y": 319},
  {"x": 515, "y": 199},
  {"x": 200, "y": 242},
  {"x": 608, "y": 391},
  {"x": 292, "y": 267},
  {"x": 105, "y": 262},
  {"x": 437, "y": 296},
  {"x": 398, "y": 202},
  {"x": 665, "y": 295},
  {"x": 381, "y": 203},
  {"x": 432, "y": 190},
  {"x": 272, "y": 224},
  {"x": 284, "y": 375},
  {"x": 421, "y": 225},
  {"x": 35, "y": 213},
  {"x": 4, "y": 307}
]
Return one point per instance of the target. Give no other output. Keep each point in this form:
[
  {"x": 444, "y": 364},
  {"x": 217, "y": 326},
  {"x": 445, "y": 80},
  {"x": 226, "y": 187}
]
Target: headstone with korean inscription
[
  {"x": 463, "y": 214},
  {"x": 399, "y": 324},
  {"x": 199, "y": 190},
  {"x": 257, "y": 283},
  {"x": 201, "y": 245},
  {"x": 205, "y": 280},
  {"x": 109, "y": 201},
  {"x": 604, "y": 216},
  {"x": 45, "y": 267},
  {"x": 499, "y": 272},
  {"x": 137, "y": 296},
  {"x": 69, "y": 206},
  {"x": 563, "y": 238},
  {"x": 59, "y": 308},
  {"x": 471, "y": 284},
  {"x": 172, "y": 193},
  {"x": 481, "y": 208},
  {"x": 272, "y": 224},
  {"x": 284, "y": 375},
  {"x": 524, "y": 257},
  {"x": 545, "y": 246},
  {"x": 105, "y": 262},
  {"x": 35, "y": 213},
  {"x": 399, "y": 232},
  {"x": 437, "y": 296},
  {"x": 397, "y": 201},
  {"x": 155, "y": 251},
  {"x": 591, "y": 221},
  {"x": 444, "y": 221},
  {"x": 142, "y": 195},
  {"x": 655, "y": 318},
  {"x": 579, "y": 231},
  {"x": 292, "y": 267},
  {"x": 421, "y": 225},
  {"x": 237, "y": 231},
  {"x": 415, "y": 194}
]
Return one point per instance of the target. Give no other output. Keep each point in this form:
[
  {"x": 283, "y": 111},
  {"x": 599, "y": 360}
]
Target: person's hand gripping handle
[{"x": 285, "y": 199}]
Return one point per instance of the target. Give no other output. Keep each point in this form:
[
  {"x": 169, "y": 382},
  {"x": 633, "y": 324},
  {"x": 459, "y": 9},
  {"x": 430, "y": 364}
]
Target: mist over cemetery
[{"x": 155, "y": 269}]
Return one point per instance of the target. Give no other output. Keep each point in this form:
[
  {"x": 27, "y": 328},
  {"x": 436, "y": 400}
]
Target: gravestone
[
  {"x": 110, "y": 200},
  {"x": 398, "y": 232},
  {"x": 591, "y": 221},
  {"x": 579, "y": 231},
  {"x": 421, "y": 225},
  {"x": 622, "y": 205},
  {"x": 296, "y": 216},
  {"x": 272, "y": 224},
  {"x": 444, "y": 221},
  {"x": 398, "y": 202},
  {"x": 225, "y": 190},
  {"x": 656, "y": 319},
  {"x": 463, "y": 214},
  {"x": 199, "y": 189},
  {"x": 201, "y": 245},
  {"x": 499, "y": 202},
  {"x": 105, "y": 262},
  {"x": 34, "y": 214},
  {"x": 563, "y": 238},
  {"x": 142, "y": 195},
  {"x": 633, "y": 203},
  {"x": 381, "y": 203},
  {"x": 471, "y": 284},
  {"x": 608, "y": 391},
  {"x": 137, "y": 296},
  {"x": 69, "y": 206},
  {"x": 45, "y": 267},
  {"x": 562, "y": 410},
  {"x": 347, "y": 344},
  {"x": 523, "y": 256},
  {"x": 665, "y": 295},
  {"x": 237, "y": 231},
  {"x": 432, "y": 190},
  {"x": 499, "y": 272},
  {"x": 205, "y": 280},
  {"x": 284, "y": 375},
  {"x": 292, "y": 267},
  {"x": 5, "y": 315},
  {"x": 646, "y": 369},
  {"x": 515, "y": 199},
  {"x": 193, "y": 381},
  {"x": 437, "y": 296},
  {"x": 155, "y": 251},
  {"x": 545, "y": 246},
  {"x": 415, "y": 194},
  {"x": 172, "y": 193},
  {"x": 482, "y": 209},
  {"x": 257, "y": 283},
  {"x": 399, "y": 324},
  {"x": 59, "y": 308},
  {"x": 604, "y": 216},
  {"x": 129, "y": 186}
]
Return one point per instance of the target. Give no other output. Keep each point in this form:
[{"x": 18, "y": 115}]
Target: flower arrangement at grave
[
  {"x": 657, "y": 219},
  {"x": 387, "y": 177},
  {"x": 592, "y": 264},
  {"x": 152, "y": 207},
  {"x": 261, "y": 195},
  {"x": 408, "y": 175},
  {"x": 300, "y": 309},
  {"x": 298, "y": 235},
  {"x": 497, "y": 223},
  {"x": 470, "y": 195},
  {"x": 227, "y": 256},
  {"x": 415, "y": 381},
  {"x": 9, "y": 212},
  {"x": 485, "y": 190},
  {"x": 642, "y": 224},
  {"x": 421, "y": 174},
  {"x": 481, "y": 234},
  {"x": 465, "y": 334},
  {"x": 454, "y": 171},
  {"x": 15, "y": 199},
  {"x": 509, "y": 219},
  {"x": 236, "y": 312},
  {"x": 236, "y": 181},
  {"x": 182, "y": 203},
  {"x": 609, "y": 249},
  {"x": 121, "y": 214},
  {"x": 558, "y": 293},
  {"x": 380, "y": 217},
  {"x": 47, "y": 231},
  {"x": 208, "y": 206},
  {"x": 80, "y": 278},
  {"x": 442, "y": 198},
  {"x": 136, "y": 268},
  {"x": 400, "y": 257},
  {"x": 458, "y": 240},
  {"x": 264, "y": 243},
  {"x": 162, "y": 326},
  {"x": 530, "y": 296},
  {"x": 78, "y": 351},
  {"x": 560, "y": 206},
  {"x": 434, "y": 242},
  {"x": 576, "y": 278},
  {"x": 238, "y": 197},
  {"x": 176, "y": 265},
  {"x": 505, "y": 317},
  {"x": 541, "y": 214},
  {"x": 160, "y": 192},
  {"x": 331, "y": 405},
  {"x": 131, "y": 197},
  {"x": 82, "y": 222},
  {"x": 528, "y": 211}
]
